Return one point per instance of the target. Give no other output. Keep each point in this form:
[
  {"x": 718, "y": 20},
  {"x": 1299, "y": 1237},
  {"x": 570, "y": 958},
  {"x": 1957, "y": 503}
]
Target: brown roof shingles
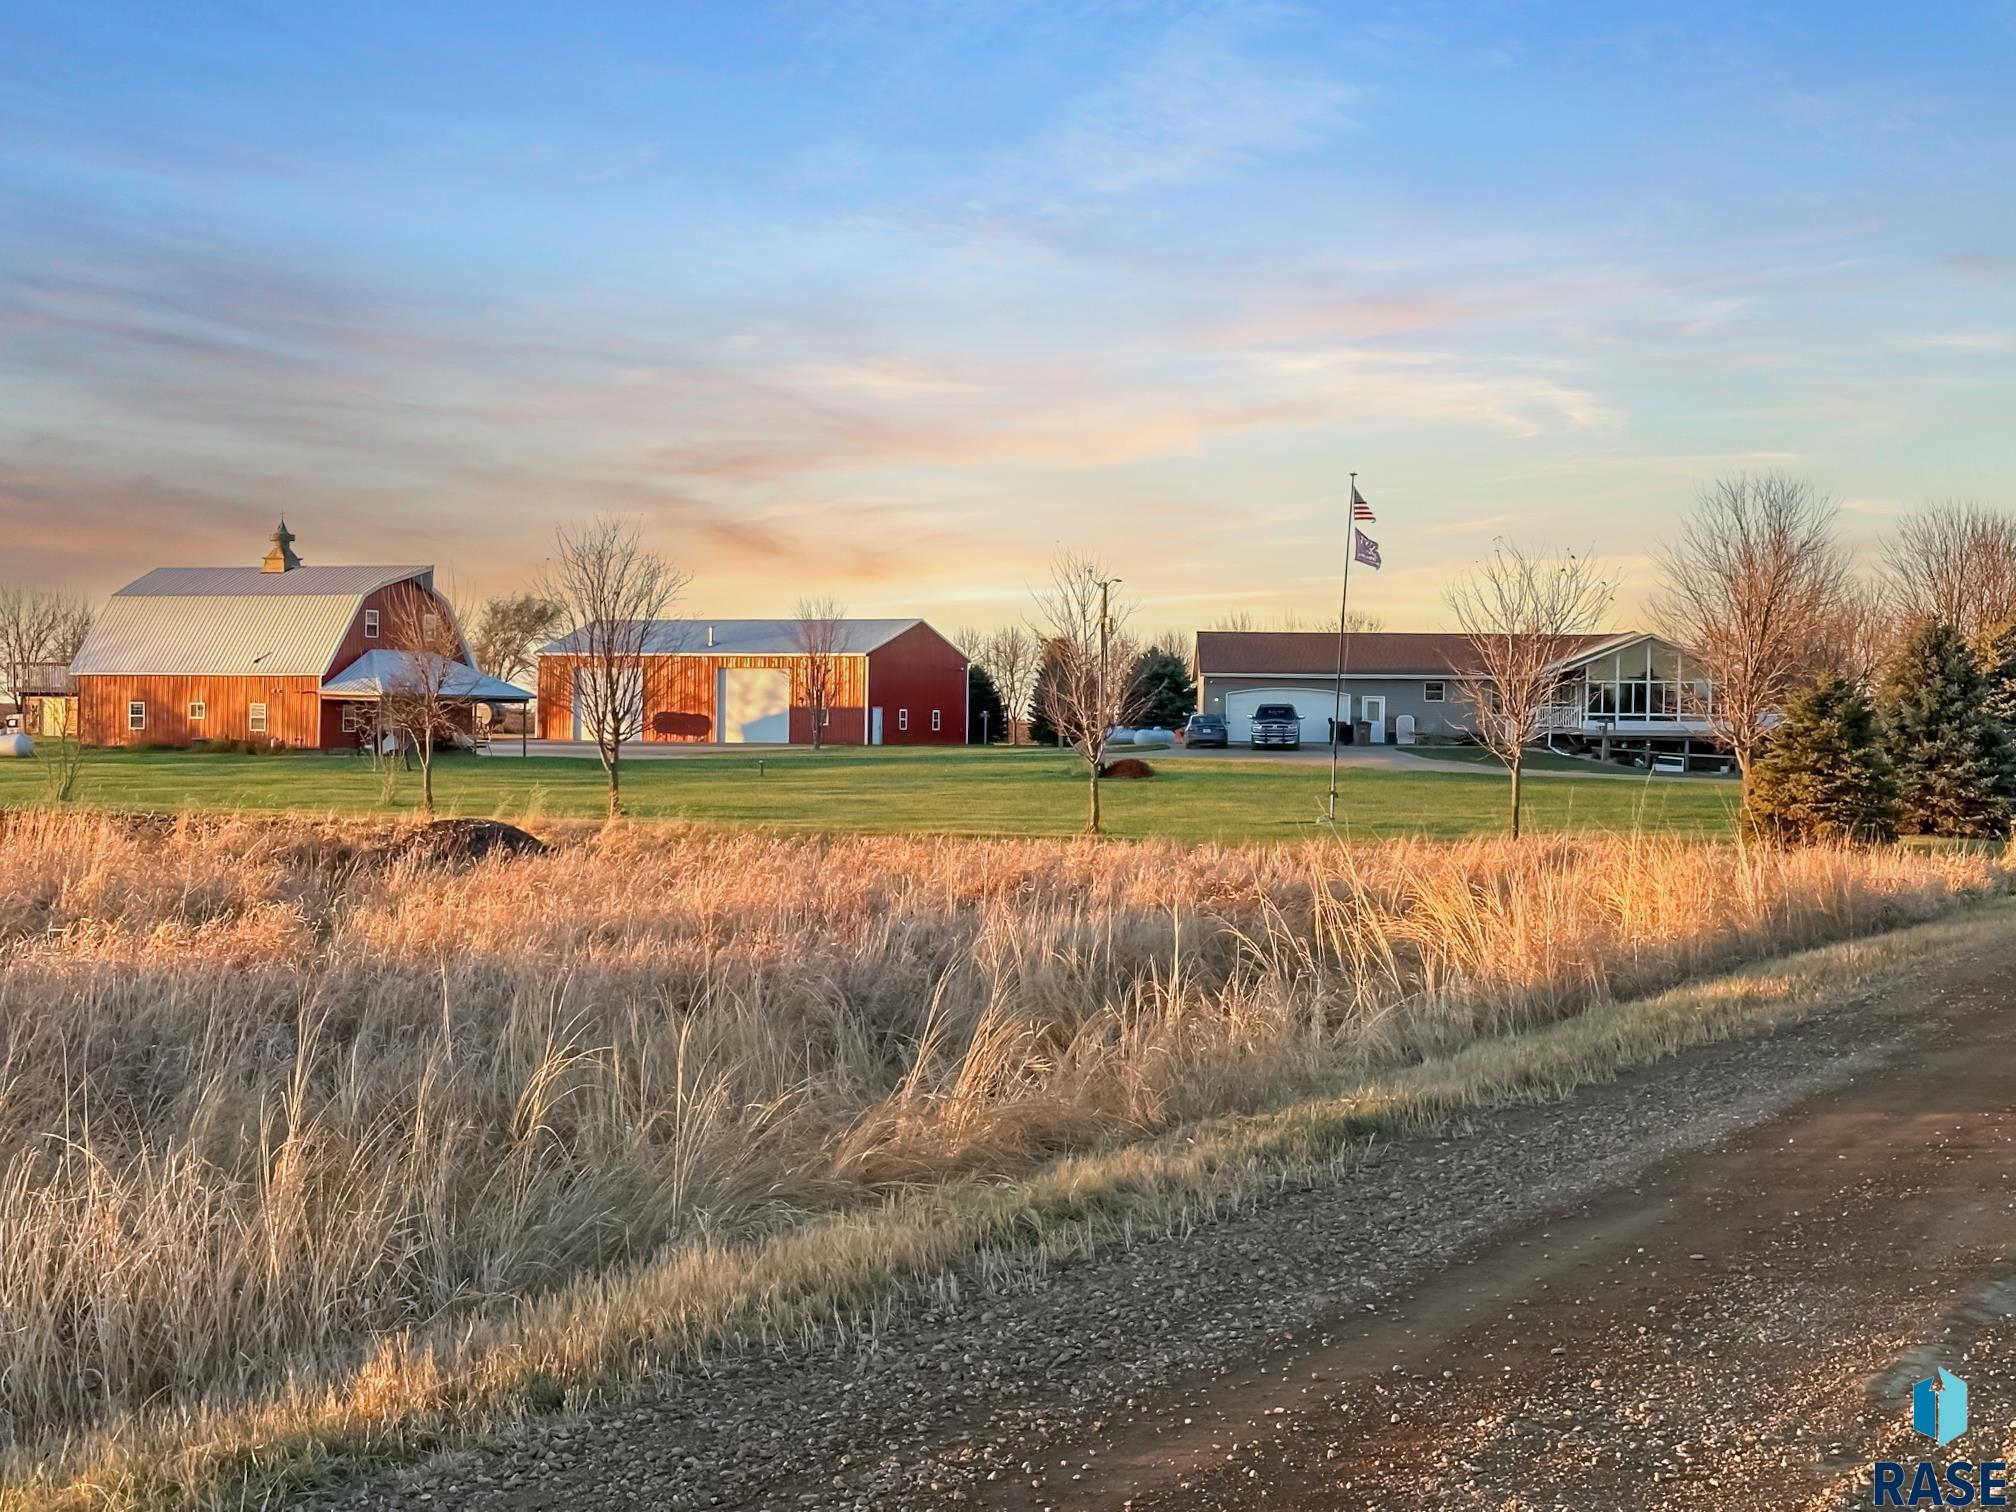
[{"x": 1369, "y": 653}]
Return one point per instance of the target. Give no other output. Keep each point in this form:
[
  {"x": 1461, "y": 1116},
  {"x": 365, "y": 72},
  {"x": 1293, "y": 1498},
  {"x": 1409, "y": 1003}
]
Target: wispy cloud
[
  {"x": 1203, "y": 102},
  {"x": 1963, "y": 341},
  {"x": 1417, "y": 385}
]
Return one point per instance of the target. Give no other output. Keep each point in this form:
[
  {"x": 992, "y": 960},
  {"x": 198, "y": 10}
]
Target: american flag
[
  {"x": 1360, "y": 510},
  {"x": 1367, "y": 550}
]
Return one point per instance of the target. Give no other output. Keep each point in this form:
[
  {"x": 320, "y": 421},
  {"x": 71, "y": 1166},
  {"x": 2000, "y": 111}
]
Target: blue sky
[{"x": 891, "y": 301}]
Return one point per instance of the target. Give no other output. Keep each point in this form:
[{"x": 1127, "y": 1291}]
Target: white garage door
[
  {"x": 627, "y": 711},
  {"x": 1311, "y": 704},
  {"x": 753, "y": 704}
]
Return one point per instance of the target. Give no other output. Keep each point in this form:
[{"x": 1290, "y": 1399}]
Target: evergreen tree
[
  {"x": 985, "y": 719},
  {"x": 1164, "y": 691},
  {"x": 1042, "y": 728},
  {"x": 1999, "y": 659},
  {"x": 1823, "y": 776},
  {"x": 1952, "y": 761}
]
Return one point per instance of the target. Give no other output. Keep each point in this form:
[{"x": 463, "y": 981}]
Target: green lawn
[
  {"x": 960, "y": 791},
  {"x": 1536, "y": 761}
]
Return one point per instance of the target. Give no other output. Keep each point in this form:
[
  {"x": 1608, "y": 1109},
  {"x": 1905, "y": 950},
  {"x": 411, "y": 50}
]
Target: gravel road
[{"x": 1711, "y": 1280}]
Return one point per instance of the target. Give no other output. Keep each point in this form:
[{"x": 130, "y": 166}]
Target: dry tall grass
[{"x": 267, "y": 1096}]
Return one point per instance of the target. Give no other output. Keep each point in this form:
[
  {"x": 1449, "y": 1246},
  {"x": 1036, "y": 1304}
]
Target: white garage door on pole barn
[
  {"x": 630, "y": 721},
  {"x": 753, "y": 704}
]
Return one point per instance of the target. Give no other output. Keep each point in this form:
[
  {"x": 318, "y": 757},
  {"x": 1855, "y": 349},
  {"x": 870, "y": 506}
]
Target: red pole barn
[
  {"x": 894, "y": 682},
  {"x": 281, "y": 654}
]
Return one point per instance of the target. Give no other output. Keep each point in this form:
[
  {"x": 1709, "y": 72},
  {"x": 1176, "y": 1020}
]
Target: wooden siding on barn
[
  {"x": 396, "y": 604},
  {"x": 680, "y": 691},
  {"x": 293, "y": 709}
]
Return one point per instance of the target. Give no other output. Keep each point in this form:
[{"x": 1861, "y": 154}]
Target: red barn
[
  {"x": 895, "y": 682},
  {"x": 278, "y": 653}
]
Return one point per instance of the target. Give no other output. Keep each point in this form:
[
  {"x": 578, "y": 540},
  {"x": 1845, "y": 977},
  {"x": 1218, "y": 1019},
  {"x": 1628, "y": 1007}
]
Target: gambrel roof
[{"x": 231, "y": 621}]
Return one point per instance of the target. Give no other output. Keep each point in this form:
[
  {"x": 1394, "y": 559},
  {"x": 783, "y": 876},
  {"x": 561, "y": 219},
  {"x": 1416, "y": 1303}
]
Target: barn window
[
  {"x": 196, "y": 711},
  {"x": 1434, "y": 692},
  {"x": 353, "y": 719},
  {"x": 902, "y": 719},
  {"x": 136, "y": 715},
  {"x": 826, "y": 716},
  {"x": 370, "y": 624},
  {"x": 257, "y": 714},
  {"x": 935, "y": 726}
]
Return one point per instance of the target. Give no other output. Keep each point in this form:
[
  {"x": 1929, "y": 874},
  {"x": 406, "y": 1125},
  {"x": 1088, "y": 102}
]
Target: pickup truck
[{"x": 1276, "y": 724}]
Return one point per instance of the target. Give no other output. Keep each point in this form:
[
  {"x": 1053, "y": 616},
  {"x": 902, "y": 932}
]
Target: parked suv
[
  {"x": 1206, "y": 730},
  {"x": 1277, "y": 725}
]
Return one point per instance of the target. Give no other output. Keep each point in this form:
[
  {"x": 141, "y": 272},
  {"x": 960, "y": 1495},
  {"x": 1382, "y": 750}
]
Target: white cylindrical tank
[{"x": 16, "y": 743}]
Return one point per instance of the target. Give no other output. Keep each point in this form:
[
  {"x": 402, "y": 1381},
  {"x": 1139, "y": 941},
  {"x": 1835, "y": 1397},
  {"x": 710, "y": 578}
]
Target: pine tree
[
  {"x": 1999, "y": 667},
  {"x": 985, "y": 720},
  {"x": 1163, "y": 688},
  {"x": 1952, "y": 761},
  {"x": 1042, "y": 723},
  {"x": 1823, "y": 776}
]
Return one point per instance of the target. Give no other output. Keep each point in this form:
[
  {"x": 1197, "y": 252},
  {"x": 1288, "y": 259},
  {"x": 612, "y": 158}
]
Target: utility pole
[{"x": 1105, "y": 635}]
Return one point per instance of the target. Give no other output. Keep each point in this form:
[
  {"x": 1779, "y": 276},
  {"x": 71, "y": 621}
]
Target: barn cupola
[{"x": 281, "y": 558}]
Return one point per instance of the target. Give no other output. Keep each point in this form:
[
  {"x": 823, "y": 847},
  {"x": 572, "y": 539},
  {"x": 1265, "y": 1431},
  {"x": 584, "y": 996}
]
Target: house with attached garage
[
  {"x": 276, "y": 654},
  {"x": 893, "y": 682},
  {"x": 1624, "y": 694}
]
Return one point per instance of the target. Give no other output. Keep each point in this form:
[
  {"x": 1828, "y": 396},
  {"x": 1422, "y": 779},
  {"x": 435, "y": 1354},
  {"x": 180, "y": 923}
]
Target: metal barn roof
[
  {"x": 230, "y": 621},
  {"x": 748, "y": 637},
  {"x": 375, "y": 671},
  {"x": 255, "y": 582}
]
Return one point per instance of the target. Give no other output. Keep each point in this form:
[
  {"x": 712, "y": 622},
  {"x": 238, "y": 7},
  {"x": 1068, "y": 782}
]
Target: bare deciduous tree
[
  {"x": 821, "y": 633},
  {"x": 1858, "y": 637},
  {"x": 60, "y": 749},
  {"x": 1355, "y": 623},
  {"x": 1748, "y": 591},
  {"x": 1522, "y": 616},
  {"x": 1956, "y": 563},
  {"x": 509, "y": 631},
  {"x": 612, "y": 591},
  {"x": 38, "y": 627},
  {"x": 1010, "y": 656},
  {"x": 1087, "y": 686},
  {"x": 415, "y": 704}
]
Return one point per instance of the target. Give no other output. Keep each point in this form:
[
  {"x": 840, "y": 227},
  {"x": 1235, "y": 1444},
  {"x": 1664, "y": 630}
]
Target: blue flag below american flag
[{"x": 1367, "y": 549}]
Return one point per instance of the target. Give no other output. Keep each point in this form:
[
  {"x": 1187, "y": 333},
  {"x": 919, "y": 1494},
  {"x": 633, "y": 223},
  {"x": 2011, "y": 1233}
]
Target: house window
[
  {"x": 196, "y": 711},
  {"x": 902, "y": 719},
  {"x": 1434, "y": 692},
  {"x": 136, "y": 715},
  {"x": 257, "y": 713},
  {"x": 934, "y": 720},
  {"x": 370, "y": 624}
]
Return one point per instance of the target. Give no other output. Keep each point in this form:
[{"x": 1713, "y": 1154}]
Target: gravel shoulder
[{"x": 1709, "y": 1276}]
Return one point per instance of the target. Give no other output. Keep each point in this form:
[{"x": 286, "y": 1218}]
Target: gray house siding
[{"x": 1233, "y": 695}]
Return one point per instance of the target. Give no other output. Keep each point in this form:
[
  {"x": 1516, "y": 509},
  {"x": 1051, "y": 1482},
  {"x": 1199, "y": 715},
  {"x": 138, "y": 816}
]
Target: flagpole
[{"x": 1343, "y": 618}]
